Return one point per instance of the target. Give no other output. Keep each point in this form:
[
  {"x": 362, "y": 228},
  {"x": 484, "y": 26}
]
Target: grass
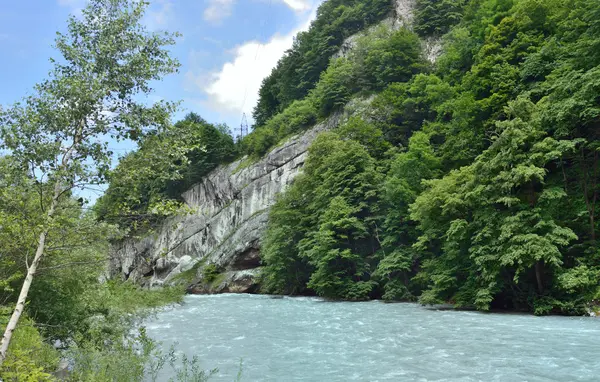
[
  {"x": 249, "y": 161},
  {"x": 130, "y": 298},
  {"x": 189, "y": 275},
  {"x": 217, "y": 280}
]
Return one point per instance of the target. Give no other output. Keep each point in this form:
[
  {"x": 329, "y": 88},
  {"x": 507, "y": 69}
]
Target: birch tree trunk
[
  {"x": 39, "y": 252},
  {"x": 14, "y": 319}
]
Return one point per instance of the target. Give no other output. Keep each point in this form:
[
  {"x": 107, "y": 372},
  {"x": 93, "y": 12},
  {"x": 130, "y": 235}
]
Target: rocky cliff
[
  {"x": 230, "y": 211},
  {"x": 216, "y": 248}
]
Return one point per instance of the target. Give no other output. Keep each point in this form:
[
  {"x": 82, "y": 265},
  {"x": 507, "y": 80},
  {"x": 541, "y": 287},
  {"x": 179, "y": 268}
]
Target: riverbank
[
  {"x": 97, "y": 340},
  {"x": 219, "y": 284}
]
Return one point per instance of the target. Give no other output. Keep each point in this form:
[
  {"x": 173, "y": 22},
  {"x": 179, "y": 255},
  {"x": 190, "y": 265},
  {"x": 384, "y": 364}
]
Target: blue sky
[{"x": 227, "y": 48}]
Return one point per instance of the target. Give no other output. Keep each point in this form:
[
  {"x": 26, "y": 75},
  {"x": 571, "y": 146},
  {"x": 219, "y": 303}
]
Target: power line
[
  {"x": 243, "y": 127},
  {"x": 258, "y": 46}
]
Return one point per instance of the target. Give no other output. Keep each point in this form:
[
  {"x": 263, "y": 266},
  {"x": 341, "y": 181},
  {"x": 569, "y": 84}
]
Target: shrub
[
  {"x": 29, "y": 357},
  {"x": 436, "y": 17},
  {"x": 210, "y": 273}
]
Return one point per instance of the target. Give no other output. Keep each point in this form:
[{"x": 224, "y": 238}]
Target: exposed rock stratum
[{"x": 230, "y": 213}]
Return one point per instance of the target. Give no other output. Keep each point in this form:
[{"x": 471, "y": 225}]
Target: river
[{"x": 307, "y": 339}]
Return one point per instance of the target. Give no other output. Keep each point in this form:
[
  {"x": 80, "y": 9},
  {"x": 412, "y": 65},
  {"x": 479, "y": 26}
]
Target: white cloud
[
  {"x": 70, "y": 3},
  {"x": 218, "y": 10},
  {"x": 75, "y": 6},
  {"x": 159, "y": 14},
  {"x": 299, "y": 5},
  {"x": 234, "y": 88}
]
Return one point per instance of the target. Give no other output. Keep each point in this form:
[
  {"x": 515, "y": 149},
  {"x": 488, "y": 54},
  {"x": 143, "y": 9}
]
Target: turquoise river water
[{"x": 308, "y": 339}]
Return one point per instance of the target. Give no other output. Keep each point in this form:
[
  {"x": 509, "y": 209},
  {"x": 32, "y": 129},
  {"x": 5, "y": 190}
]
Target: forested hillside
[
  {"x": 299, "y": 69},
  {"x": 472, "y": 181}
]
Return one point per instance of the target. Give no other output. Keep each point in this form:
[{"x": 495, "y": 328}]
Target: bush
[
  {"x": 258, "y": 143},
  {"x": 210, "y": 273},
  {"x": 29, "y": 357},
  {"x": 394, "y": 59},
  {"x": 299, "y": 116},
  {"x": 436, "y": 17},
  {"x": 336, "y": 86}
]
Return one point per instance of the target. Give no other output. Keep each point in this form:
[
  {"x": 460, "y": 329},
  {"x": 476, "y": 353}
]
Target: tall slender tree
[{"x": 61, "y": 131}]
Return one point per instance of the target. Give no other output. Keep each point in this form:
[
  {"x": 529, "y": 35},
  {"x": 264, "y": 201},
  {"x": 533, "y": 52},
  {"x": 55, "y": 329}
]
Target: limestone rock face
[{"x": 230, "y": 213}]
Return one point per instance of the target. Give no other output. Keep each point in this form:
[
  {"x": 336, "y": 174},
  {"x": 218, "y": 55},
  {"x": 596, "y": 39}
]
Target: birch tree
[{"x": 107, "y": 61}]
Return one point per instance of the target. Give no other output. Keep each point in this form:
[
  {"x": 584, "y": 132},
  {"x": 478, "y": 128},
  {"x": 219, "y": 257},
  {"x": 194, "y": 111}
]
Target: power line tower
[{"x": 243, "y": 127}]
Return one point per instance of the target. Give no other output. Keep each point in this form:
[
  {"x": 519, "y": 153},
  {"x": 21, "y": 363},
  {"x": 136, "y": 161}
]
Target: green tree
[
  {"x": 394, "y": 57},
  {"x": 403, "y": 108},
  {"x": 436, "y": 17},
  {"x": 19, "y": 212},
  {"x": 367, "y": 134},
  {"x": 402, "y": 185},
  {"x": 320, "y": 233},
  {"x": 335, "y": 87},
  {"x": 493, "y": 224},
  {"x": 148, "y": 183},
  {"x": 285, "y": 271},
  {"x": 340, "y": 271},
  {"x": 108, "y": 58}
]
